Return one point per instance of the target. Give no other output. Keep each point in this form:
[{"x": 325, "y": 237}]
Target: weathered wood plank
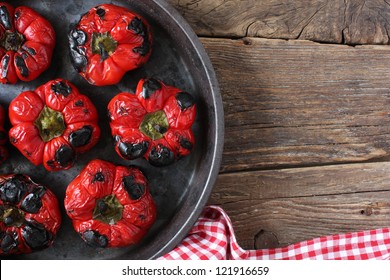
[
  {"x": 337, "y": 21},
  {"x": 302, "y": 182},
  {"x": 281, "y": 207},
  {"x": 291, "y": 103},
  {"x": 299, "y": 219}
]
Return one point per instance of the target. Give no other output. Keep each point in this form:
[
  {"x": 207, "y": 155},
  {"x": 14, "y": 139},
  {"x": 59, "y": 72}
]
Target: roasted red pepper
[
  {"x": 3, "y": 137},
  {"x": 26, "y": 44},
  {"x": 107, "y": 42},
  {"x": 154, "y": 123},
  {"x": 29, "y": 215},
  {"x": 52, "y": 124},
  {"x": 110, "y": 206}
]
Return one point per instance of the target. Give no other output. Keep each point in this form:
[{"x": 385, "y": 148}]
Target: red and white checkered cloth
[{"x": 212, "y": 238}]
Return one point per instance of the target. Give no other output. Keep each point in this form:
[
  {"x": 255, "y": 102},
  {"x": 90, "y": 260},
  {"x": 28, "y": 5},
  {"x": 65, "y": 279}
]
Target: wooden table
[{"x": 306, "y": 92}]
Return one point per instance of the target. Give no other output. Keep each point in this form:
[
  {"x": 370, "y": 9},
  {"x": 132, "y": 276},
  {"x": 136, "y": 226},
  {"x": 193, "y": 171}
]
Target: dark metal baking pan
[{"x": 180, "y": 190}]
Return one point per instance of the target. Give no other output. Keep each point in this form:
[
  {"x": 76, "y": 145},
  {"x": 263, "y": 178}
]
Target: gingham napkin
[{"x": 212, "y": 238}]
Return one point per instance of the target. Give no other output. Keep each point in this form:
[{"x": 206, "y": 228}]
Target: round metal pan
[{"x": 180, "y": 190}]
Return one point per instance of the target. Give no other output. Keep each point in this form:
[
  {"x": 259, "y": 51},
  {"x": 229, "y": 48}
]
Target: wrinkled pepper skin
[
  {"x": 107, "y": 42},
  {"x": 29, "y": 215},
  {"x": 110, "y": 206},
  {"x": 154, "y": 123},
  {"x": 3, "y": 137},
  {"x": 27, "y": 41},
  {"x": 53, "y": 124}
]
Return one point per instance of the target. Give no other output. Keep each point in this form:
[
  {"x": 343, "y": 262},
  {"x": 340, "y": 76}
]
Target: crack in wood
[
  {"x": 251, "y": 201},
  {"x": 310, "y": 20},
  {"x": 341, "y": 22}
]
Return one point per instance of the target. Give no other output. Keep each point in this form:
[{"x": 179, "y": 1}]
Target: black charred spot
[
  {"x": 149, "y": 87},
  {"x": 51, "y": 163},
  {"x": 134, "y": 189},
  {"x": 184, "y": 100},
  {"x": 95, "y": 239},
  {"x": 144, "y": 48},
  {"x": 99, "y": 177},
  {"x": 141, "y": 217},
  {"x": 186, "y": 144},
  {"x": 85, "y": 111},
  {"x": 13, "y": 140},
  {"x": 79, "y": 37},
  {"x": 64, "y": 156},
  {"x": 4, "y": 66},
  {"x": 32, "y": 203},
  {"x": 117, "y": 138},
  {"x": 5, "y": 19},
  {"x": 61, "y": 88},
  {"x": 8, "y": 242},
  {"x": 137, "y": 26},
  {"x": 100, "y": 12},
  {"x": 160, "y": 129},
  {"x": 36, "y": 236},
  {"x": 24, "y": 55},
  {"x": 31, "y": 51},
  {"x": 132, "y": 151},
  {"x": 81, "y": 137},
  {"x": 161, "y": 156},
  {"x": 21, "y": 65},
  {"x": 13, "y": 190},
  {"x": 78, "y": 54},
  {"x": 79, "y": 103},
  {"x": 17, "y": 14}
]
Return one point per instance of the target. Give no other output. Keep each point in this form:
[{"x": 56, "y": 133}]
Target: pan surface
[{"x": 180, "y": 190}]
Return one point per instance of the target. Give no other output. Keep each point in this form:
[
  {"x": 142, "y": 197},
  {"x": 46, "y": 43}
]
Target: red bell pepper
[
  {"x": 110, "y": 206},
  {"x": 52, "y": 124},
  {"x": 3, "y": 137},
  {"x": 29, "y": 215},
  {"x": 154, "y": 123},
  {"x": 107, "y": 42},
  {"x": 26, "y": 44}
]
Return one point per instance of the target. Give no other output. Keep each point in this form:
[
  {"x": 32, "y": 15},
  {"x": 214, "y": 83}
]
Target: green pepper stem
[
  {"x": 103, "y": 44},
  {"x": 12, "y": 41},
  {"x": 50, "y": 124},
  {"x": 12, "y": 216},
  {"x": 108, "y": 210},
  {"x": 154, "y": 125}
]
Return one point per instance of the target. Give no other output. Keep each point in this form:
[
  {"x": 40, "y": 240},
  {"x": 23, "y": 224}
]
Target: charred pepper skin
[
  {"x": 53, "y": 124},
  {"x": 107, "y": 42},
  {"x": 3, "y": 137},
  {"x": 27, "y": 42},
  {"x": 154, "y": 123},
  {"x": 30, "y": 216},
  {"x": 110, "y": 206}
]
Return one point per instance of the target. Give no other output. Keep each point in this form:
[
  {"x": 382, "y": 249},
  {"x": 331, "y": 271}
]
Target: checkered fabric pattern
[{"x": 212, "y": 238}]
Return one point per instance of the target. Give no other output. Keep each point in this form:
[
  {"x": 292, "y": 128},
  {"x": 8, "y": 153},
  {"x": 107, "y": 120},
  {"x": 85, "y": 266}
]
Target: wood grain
[
  {"x": 307, "y": 142},
  {"x": 275, "y": 208},
  {"x": 337, "y": 21},
  {"x": 299, "y": 103}
]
